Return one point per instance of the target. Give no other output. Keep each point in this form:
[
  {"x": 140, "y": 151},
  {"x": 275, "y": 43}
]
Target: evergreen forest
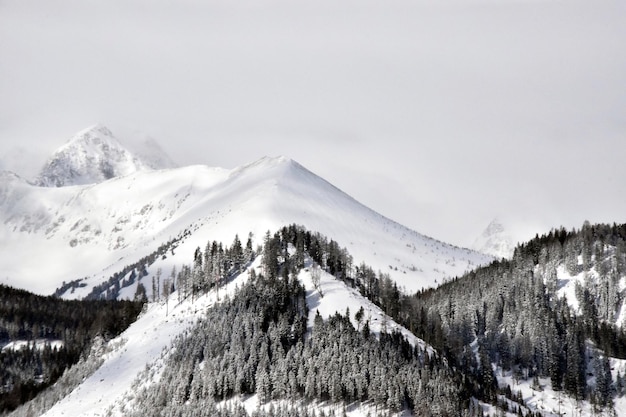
[{"x": 52, "y": 334}]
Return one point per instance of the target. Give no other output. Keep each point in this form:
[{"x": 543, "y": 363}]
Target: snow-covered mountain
[
  {"x": 91, "y": 231},
  {"x": 495, "y": 241},
  {"x": 92, "y": 156},
  {"x": 98, "y": 207}
]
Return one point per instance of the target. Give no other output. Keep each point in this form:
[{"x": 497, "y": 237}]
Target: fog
[{"x": 438, "y": 114}]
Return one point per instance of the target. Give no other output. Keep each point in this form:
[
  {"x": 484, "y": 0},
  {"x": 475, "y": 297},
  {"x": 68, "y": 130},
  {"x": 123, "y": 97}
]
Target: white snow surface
[
  {"x": 566, "y": 287},
  {"x": 251, "y": 404},
  {"x": 51, "y": 235}
]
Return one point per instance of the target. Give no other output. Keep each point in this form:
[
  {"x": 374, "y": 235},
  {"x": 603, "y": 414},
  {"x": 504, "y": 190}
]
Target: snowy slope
[
  {"x": 336, "y": 297},
  {"x": 94, "y": 230},
  {"x": 549, "y": 402}
]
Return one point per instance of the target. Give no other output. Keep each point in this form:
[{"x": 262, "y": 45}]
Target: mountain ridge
[{"x": 118, "y": 221}]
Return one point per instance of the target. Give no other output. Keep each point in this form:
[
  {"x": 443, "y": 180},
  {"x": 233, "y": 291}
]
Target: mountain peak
[
  {"x": 270, "y": 161},
  {"x": 281, "y": 164},
  {"x": 495, "y": 240},
  {"x": 95, "y": 130},
  {"x": 93, "y": 155},
  {"x": 495, "y": 227}
]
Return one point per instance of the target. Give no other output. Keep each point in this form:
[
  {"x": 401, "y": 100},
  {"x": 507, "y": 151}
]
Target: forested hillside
[
  {"x": 257, "y": 344},
  {"x": 549, "y": 319},
  {"x": 43, "y": 336},
  {"x": 554, "y": 311}
]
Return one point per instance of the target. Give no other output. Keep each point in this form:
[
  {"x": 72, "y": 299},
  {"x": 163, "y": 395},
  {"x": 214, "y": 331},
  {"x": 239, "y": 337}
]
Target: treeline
[
  {"x": 325, "y": 253},
  {"x": 333, "y": 259},
  {"x": 211, "y": 268},
  {"x": 110, "y": 289},
  {"x": 238, "y": 410},
  {"x": 256, "y": 343},
  {"x": 29, "y": 318}
]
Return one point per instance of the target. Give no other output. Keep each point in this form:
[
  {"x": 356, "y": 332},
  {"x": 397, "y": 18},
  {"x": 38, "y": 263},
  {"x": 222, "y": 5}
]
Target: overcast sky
[{"x": 440, "y": 114}]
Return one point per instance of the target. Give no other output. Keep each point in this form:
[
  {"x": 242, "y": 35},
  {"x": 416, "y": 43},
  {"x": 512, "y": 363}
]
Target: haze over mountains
[
  {"x": 495, "y": 241},
  {"x": 98, "y": 202}
]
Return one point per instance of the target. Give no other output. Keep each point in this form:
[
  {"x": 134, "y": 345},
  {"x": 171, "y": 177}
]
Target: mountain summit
[
  {"x": 495, "y": 241},
  {"x": 92, "y": 156}
]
